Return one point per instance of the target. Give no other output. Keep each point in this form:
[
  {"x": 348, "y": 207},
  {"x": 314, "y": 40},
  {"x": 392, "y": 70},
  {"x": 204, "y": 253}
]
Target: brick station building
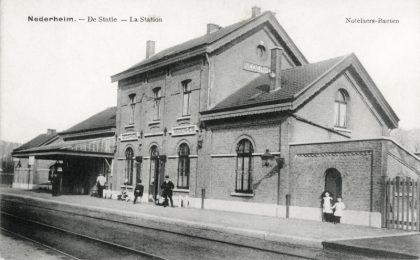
[
  {"x": 238, "y": 117},
  {"x": 241, "y": 113}
]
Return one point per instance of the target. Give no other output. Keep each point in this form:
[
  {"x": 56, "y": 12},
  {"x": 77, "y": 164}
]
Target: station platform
[{"x": 251, "y": 230}]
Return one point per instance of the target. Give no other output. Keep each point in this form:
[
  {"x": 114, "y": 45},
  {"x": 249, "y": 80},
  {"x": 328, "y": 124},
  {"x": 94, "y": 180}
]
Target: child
[
  {"x": 327, "y": 207},
  {"x": 339, "y": 208},
  {"x": 138, "y": 191},
  {"x": 123, "y": 196}
]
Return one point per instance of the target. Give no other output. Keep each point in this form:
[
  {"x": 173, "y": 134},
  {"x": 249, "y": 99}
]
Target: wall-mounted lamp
[
  {"x": 280, "y": 162},
  {"x": 266, "y": 157}
]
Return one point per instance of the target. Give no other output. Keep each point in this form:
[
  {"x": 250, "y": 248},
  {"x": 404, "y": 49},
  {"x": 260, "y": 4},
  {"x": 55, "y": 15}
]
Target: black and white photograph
[{"x": 243, "y": 129}]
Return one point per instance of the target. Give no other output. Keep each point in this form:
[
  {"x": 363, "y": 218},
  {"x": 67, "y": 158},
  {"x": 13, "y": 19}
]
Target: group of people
[
  {"x": 332, "y": 212},
  {"x": 167, "y": 190}
]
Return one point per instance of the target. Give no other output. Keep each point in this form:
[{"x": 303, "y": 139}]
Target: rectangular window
[
  {"x": 156, "y": 104},
  {"x": 340, "y": 115},
  {"x": 132, "y": 109},
  {"x": 186, "y": 93}
]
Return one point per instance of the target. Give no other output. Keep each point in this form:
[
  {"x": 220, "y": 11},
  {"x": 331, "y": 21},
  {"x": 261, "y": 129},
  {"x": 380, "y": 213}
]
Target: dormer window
[
  {"x": 132, "y": 98},
  {"x": 186, "y": 94},
  {"x": 340, "y": 109},
  {"x": 156, "y": 104}
]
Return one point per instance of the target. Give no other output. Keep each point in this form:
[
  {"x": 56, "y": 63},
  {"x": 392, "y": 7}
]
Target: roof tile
[
  {"x": 292, "y": 81},
  {"x": 103, "y": 119}
]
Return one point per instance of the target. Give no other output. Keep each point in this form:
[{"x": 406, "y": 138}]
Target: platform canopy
[{"x": 94, "y": 147}]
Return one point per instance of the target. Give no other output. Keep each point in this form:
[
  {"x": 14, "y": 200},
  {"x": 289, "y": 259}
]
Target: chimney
[
  {"x": 51, "y": 131},
  {"x": 150, "y": 48},
  {"x": 276, "y": 55},
  {"x": 211, "y": 27},
  {"x": 256, "y": 11}
]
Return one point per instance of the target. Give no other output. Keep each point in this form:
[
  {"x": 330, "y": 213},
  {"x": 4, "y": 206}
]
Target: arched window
[
  {"x": 183, "y": 166},
  {"x": 129, "y": 166},
  {"x": 340, "y": 109},
  {"x": 244, "y": 152},
  {"x": 261, "y": 51}
]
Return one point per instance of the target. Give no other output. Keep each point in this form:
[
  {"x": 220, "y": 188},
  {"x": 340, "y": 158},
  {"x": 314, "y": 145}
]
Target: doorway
[
  {"x": 333, "y": 183},
  {"x": 154, "y": 174}
]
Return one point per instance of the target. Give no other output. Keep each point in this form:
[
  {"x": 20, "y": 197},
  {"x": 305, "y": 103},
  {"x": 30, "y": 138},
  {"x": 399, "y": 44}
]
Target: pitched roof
[
  {"x": 292, "y": 81},
  {"x": 103, "y": 119},
  {"x": 37, "y": 141},
  {"x": 203, "y": 41},
  {"x": 191, "y": 44}
]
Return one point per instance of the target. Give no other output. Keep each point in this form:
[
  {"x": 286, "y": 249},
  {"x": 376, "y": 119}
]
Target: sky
[{"x": 54, "y": 75}]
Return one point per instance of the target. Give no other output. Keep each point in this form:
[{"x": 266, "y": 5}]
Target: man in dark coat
[
  {"x": 138, "y": 191},
  {"x": 167, "y": 187},
  {"x": 55, "y": 183}
]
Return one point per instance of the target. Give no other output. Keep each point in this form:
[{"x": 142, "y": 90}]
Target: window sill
[
  {"x": 183, "y": 118},
  {"x": 336, "y": 128},
  {"x": 154, "y": 123},
  {"x": 240, "y": 194},
  {"x": 181, "y": 190},
  {"x": 129, "y": 126}
]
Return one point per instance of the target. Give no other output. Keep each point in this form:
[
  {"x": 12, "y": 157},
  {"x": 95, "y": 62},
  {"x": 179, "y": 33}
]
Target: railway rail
[
  {"x": 82, "y": 246},
  {"x": 79, "y": 237}
]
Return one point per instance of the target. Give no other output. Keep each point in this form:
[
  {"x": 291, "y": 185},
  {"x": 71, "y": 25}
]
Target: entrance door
[
  {"x": 154, "y": 174},
  {"x": 333, "y": 182}
]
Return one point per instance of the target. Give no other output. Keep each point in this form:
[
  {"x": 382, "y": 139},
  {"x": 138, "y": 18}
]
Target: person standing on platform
[
  {"x": 339, "y": 210},
  {"x": 327, "y": 207},
  {"x": 100, "y": 184},
  {"x": 167, "y": 187},
  {"x": 55, "y": 183},
  {"x": 138, "y": 191}
]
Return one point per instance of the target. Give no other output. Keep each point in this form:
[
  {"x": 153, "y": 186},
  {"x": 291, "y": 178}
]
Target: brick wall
[
  {"x": 158, "y": 133},
  {"x": 220, "y": 166},
  {"x": 359, "y": 164}
]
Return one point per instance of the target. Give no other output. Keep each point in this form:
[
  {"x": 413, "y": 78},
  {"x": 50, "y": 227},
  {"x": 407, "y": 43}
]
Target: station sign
[
  {"x": 129, "y": 136},
  {"x": 256, "y": 68},
  {"x": 31, "y": 160},
  {"x": 184, "y": 130}
]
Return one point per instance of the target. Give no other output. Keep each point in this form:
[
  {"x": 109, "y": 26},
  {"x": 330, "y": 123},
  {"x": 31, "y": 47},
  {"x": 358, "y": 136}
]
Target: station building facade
[{"x": 241, "y": 114}]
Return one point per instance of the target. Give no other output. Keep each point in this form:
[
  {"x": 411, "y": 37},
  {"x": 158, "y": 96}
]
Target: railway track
[
  {"x": 87, "y": 237},
  {"x": 57, "y": 239}
]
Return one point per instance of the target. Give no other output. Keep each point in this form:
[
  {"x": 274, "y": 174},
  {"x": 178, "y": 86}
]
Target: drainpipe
[{"x": 278, "y": 177}]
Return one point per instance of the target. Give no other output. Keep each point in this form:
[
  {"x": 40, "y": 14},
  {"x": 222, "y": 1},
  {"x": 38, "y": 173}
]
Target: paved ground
[
  {"x": 407, "y": 247},
  {"x": 14, "y": 247},
  {"x": 291, "y": 229}
]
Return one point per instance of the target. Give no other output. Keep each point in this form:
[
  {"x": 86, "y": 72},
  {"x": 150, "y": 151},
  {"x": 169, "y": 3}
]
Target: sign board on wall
[
  {"x": 31, "y": 160},
  {"x": 184, "y": 130},
  {"x": 130, "y": 136},
  {"x": 256, "y": 68}
]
